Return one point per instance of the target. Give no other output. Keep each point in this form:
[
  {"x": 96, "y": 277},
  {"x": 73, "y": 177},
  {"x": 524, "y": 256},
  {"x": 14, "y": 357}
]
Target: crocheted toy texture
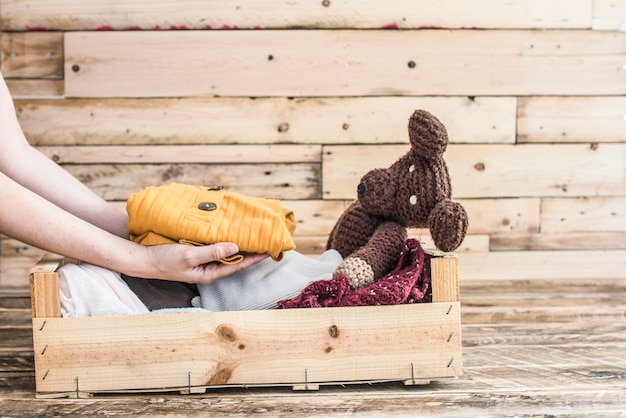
[{"x": 414, "y": 192}]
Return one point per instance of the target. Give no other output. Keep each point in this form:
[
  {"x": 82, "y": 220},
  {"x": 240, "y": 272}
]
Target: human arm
[
  {"x": 29, "y": 218},
  {"x": 30, "y": 168},
  {"x": 43, "y": 205}
]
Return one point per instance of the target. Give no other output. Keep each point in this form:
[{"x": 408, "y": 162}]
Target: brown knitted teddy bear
[{"x": 414, "y": 192}]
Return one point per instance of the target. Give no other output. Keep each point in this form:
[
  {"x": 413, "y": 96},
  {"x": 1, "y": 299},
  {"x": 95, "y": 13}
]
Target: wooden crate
[{"x": 191, "y": 352}]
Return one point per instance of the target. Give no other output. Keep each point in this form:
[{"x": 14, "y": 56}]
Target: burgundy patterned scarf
[{"x": 407, "y": 283}]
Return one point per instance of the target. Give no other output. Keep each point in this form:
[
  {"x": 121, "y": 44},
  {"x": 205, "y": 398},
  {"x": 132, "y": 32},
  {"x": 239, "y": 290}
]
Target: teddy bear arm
[
  {"x": 352, "y": 231},
  {"x": 382, "y": 250}
]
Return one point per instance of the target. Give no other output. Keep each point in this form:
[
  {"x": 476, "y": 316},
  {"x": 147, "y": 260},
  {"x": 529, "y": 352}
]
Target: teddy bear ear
[
  {"x": 428, "y": 136},
  {"x": 448, "y": 225}
]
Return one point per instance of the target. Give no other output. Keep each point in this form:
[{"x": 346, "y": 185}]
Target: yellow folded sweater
[{"x": 201, "y": 215}]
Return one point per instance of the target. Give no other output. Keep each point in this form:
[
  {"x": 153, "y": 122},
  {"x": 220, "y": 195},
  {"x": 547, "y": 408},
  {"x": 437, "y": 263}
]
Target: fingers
[
  {"x": 199, "y": 265},
  {"x": 218, "y": 251},
  {"x": 215, "y": 271},
  {"x": 250, "y": 259},
  {"x": 208, "y": 269}
]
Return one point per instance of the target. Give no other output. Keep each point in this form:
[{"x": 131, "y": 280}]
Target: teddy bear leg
[
  {"x": 358, "y": 271},
  {"x": 379, "y": 256}
]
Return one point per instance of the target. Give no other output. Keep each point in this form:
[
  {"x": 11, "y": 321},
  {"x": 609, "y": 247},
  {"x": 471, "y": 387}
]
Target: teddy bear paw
[{"x": 358, "y": 272}]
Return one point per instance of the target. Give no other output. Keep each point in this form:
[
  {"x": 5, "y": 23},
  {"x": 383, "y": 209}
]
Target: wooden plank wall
[{"x": 296, "y": 99}]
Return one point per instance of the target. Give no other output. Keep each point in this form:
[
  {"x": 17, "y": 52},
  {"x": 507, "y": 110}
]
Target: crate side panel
[{"x": 249, "y": 347}]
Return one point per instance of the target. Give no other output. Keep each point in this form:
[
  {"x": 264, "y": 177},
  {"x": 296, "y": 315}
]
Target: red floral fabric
[{"x": 407, "y": 283}]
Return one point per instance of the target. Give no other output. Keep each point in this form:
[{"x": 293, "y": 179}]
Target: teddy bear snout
[{"x": 376, "y": 192}]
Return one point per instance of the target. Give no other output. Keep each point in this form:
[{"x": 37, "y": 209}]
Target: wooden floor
[{"x": 530, "y": 348}]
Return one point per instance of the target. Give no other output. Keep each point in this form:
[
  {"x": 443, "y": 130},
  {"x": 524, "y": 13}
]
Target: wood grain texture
[
  {"x": 589, "y": 240},
  {"x": 162, "y": 154},
  {"x": 46, "y": 297},
  {"x": 581, "y": 214},
  {"x": 571, "y": 119},
  {"x": 326, "y": 120},
  {"x": 247, "y": 348},
  {"x": 504, "y": 171},
  {"x": 276, "y": 181},
  {"x": 542, "y": 270},
  {"x": 33, "y": 88},
  {"x": 608, "y": 15},
  {"x": 529, "y": 347},
  {"x": 190, "y": 14},
  {"x": 279, "y": 99},
  {"x": 32, "y": 55},
  {"x": 210, "y": 63},
  {"x": 542, "y": 265}
]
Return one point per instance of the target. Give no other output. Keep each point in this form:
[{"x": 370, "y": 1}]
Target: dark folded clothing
[{"x": 162, "y": 294}]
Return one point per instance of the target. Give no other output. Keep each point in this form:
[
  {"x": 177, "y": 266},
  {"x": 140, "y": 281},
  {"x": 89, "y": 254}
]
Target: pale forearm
[
  {"x": 33, "y": 170},
  {"x": 31, "y": 219},
  {"x": 43, "y": 205},
  {"x": 53, "y": 183}
]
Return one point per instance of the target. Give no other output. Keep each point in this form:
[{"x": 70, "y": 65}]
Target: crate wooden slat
[
  {"x": 253, "y": 348},
  {"x": 534, "y": 347},
  {"x": 259, "y": 121},
  {"x": 343, "y": 63},
  {"x": 189, "y": 14},
  {"x": 295, "y": 347}
]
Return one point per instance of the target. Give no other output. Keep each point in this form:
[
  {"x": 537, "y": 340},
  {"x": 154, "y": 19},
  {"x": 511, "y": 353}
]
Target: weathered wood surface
[
  {"x": 345, "y": 63},
  {"x": 245, "y": 348},
  {"x": 405, "y": 14},
  {"x": 476, "y": 263},
  {"x": 32, "y": 55},
  {"x": 364, "y": 120},
  {"x": 571, "y": 119},
  {"x": 532, "y": 169},
  {"x": 530, "y": 347},
  {"x": 422, "y": 342},
  {"x": 495, "y": 170}
]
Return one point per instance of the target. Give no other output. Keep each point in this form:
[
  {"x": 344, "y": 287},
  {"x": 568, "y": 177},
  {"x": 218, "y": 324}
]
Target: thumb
[{"x": 217, "y": 251}]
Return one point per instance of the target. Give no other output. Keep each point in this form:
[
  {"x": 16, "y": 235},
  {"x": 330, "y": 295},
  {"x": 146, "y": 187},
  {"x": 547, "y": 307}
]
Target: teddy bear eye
[
  {"x": 411, "y": 168},
  {"x": 413, "y": 199}
]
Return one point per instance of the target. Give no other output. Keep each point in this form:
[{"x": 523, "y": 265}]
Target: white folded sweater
[{"x": 262, "y": 285}]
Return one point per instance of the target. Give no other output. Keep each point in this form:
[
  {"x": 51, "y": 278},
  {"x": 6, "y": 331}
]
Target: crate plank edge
[{"x": 193, "y": 352}]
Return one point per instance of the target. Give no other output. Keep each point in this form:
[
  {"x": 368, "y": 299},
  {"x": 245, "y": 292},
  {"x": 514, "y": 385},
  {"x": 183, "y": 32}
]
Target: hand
[{"x": 191, "y": 264}]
